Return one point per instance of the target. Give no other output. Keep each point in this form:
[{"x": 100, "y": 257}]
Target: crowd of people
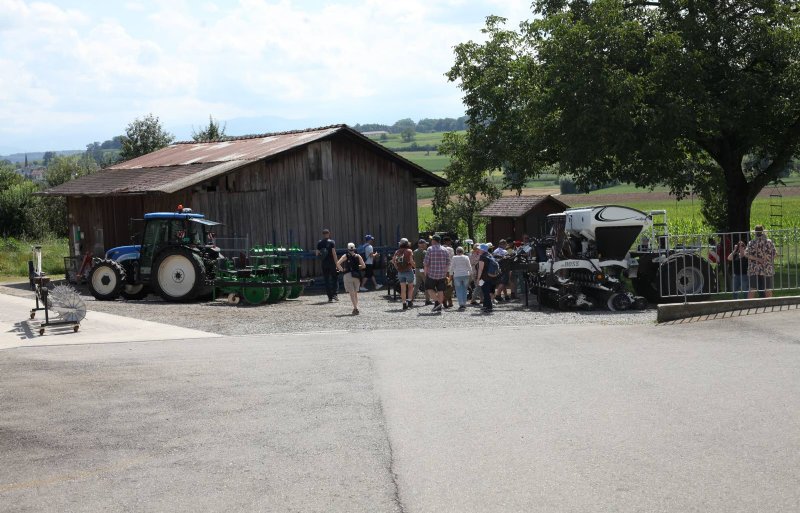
[
  {"x": 434, "y": 269},
  {"x": 439, "y": 272}
]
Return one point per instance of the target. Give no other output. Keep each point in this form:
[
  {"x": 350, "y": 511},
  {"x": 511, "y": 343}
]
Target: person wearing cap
[
  {"x": 486, "y": 282},
  {"x": 437, "y": 265},
  {"x": 369, "y": 260},
  {"x": 352, "y": 265},
  {"x": 403, "y": 261},
  {"x": 326, "y": 252},
  {"x": 419, "y": 268}
]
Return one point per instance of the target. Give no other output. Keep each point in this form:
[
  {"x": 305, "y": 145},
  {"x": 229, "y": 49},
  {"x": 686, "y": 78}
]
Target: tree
[
  {"x": 143, "y": 136},
  {"x": 674, "y": 92},
  {"x": 211, "y": 133},
  {"x": 471, "y": 188},
  {"x": 65, "y": 168},
  {"x": 48, "y": 156},
  {"x": 407, "y": 134}
]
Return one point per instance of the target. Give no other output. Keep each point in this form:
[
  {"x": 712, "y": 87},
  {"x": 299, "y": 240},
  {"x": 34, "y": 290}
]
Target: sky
[{"x": 77, "y": 71}]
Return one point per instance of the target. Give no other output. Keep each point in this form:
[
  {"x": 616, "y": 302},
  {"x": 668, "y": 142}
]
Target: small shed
[
  {"x": 515, "y": 216},
  {"x": 278, "y": 188}
]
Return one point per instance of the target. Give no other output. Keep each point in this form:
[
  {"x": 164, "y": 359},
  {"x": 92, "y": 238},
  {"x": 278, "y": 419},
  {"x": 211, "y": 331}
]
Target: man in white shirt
[{"x": 369, "y": 260}]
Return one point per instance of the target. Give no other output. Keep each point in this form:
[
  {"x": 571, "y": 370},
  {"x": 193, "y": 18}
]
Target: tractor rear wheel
[
  {"x": 686, "y": 276},
  {"x": 106, "y": 280},
  {"x": 177, "y": 274}
]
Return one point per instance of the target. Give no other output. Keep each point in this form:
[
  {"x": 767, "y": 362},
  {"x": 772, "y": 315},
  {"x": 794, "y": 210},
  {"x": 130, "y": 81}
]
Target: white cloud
[{"x": 184, "y": 60}]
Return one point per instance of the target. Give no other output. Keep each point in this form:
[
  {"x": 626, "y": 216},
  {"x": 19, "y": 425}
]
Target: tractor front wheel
[
  {"x": 134, "y": 292},
  {"x": 106, "y": 280},
  {"x": 177, "y": 275}
]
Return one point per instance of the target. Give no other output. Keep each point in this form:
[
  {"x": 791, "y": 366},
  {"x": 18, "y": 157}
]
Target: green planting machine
[{"x": 267, "y": 275}]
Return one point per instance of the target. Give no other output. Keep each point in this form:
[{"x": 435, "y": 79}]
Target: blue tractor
[{"x": 176, "y": 258}]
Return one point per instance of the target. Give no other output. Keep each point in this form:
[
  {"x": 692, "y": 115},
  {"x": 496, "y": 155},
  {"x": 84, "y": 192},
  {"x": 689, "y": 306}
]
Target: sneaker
[
  {"x": 428, "y": 302},
  {"x": 362, "y": 289},
  {"x": 462, "y": 308},
  {"x": 486, "y": 310},
  {"x": 410, "y": 303},
  {"x": 380, "y": 286},
  {"x": 437, "y": 307},
  {"x": 330, "y": 300},
  {"x": 355, "y": 311},
  {"x": 405, "y": 306},
  {"x": 336, "y": 298}
]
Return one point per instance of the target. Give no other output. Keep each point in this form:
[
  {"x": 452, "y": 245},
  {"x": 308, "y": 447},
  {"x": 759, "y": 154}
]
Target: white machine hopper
[{"x": 613, "y": 228}]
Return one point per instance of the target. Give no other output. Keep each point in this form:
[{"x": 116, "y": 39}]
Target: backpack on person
[
  {"x": 353, "y": 265},
  {"x": 403, "y": 263},
  {"x": 492, "y": 267}
]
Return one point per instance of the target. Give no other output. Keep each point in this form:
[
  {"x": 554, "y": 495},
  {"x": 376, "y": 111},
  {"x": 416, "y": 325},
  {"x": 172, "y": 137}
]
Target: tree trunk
[
  {"x": 738, "y": 208},
  {"x": 738, "y": 191}
]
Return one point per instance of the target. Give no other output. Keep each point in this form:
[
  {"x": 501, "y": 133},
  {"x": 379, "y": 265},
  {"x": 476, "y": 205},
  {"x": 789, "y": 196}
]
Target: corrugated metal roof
[
  {"x": 516, "y": 206},
  {"x": 187, "y": 163},
  {"x": 110, "y": 182},
  {"x": 248, "y": 149}
]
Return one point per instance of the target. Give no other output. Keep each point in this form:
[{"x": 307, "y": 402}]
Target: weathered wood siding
[{"x": 338, "y": 184}]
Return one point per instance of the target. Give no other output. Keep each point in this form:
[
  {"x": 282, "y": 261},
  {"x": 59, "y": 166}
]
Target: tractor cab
[{"x": 165, "y": 229}]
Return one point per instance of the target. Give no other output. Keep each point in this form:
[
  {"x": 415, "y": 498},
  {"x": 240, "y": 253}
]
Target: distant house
[
  {"x": 511, "y": 217},
  {"x": 375, "y": 133},
  {"x": 272, "y": 188}
]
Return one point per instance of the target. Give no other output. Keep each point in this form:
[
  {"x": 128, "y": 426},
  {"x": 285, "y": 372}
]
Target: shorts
[
  {"x": 437, "y": 285},
  {"x": 503, "y": 279},
  {"x": 351, "y": 283},
  {"x": 369, "y": 271},
  {"x": 406, "y": 277},
  {"x": 761, "y": 282}
]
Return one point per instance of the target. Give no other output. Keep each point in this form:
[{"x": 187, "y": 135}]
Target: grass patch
[
  {"x": 429, "y": 160},
  {"x": 421, "y": 139},
  {"x": 15, "y": 253}
]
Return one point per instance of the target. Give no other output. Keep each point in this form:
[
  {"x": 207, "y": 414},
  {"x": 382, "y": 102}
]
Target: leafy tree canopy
[
  {"x": 470, "y": 191},
  {"x": 143, "y": 136},
  {"x": 674, "y": 92},
  {"x": 210, "y": 133}
]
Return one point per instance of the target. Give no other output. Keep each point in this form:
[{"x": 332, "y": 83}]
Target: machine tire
[
  {"x": 134, "y": 292},
  {"x": 618, "y": 302},
  {"x": 690, "y": 273},
  {"x": 106, "y": 280},
  {"x": 177, "y": 275}
]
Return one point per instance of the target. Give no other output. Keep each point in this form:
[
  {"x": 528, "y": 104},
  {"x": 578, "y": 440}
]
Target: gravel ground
[{"x": 312, "y": 313}]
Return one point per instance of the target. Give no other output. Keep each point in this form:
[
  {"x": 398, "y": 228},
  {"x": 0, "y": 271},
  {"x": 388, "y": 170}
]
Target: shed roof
[
  {"x": 185, "y": 164},
  {"x": 517, "y": 206}
]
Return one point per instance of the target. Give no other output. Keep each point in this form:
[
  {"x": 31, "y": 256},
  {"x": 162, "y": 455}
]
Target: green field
[
  {"x": 14, "y": 256},
  {"x": 429, "y": 160},
  {"x": 684, "y": 216},
  {"x": 420, "y": 139}
]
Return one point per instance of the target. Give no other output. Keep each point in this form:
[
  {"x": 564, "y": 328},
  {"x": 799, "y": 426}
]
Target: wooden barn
[
  {"x": 273, "y": 188},
  {"x": 515, "y": 216}
]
